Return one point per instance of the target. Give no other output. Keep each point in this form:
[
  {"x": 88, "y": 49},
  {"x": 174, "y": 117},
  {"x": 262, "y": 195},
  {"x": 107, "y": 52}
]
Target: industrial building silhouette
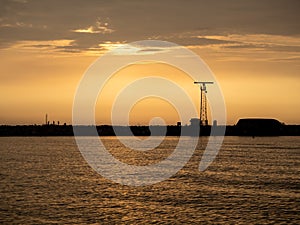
[{"x": 244, "y": 127}]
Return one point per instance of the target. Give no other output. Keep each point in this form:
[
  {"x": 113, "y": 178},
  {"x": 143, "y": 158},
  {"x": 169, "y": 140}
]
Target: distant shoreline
[{"x": 108, "y": 130}]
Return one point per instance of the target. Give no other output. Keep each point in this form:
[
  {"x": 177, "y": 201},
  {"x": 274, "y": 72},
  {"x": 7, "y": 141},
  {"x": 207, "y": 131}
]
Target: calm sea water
[{"x": 45, "y": 180}]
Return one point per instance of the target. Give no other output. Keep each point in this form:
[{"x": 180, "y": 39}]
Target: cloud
[
  {"x": 245, "y": 47},
  {"x": 98, "y": 28},
  {"x": 127, "y": 49},
  {"x": 48, "y": 46},
  {"x": 259, "y": 41},
  {"x": 16, "y": 24},
  {"x": 193, "y": 23},
  {"x": 192, "y": 39}
]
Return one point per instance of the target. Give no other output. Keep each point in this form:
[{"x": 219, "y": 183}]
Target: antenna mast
[{"x": 203, "y": 102}]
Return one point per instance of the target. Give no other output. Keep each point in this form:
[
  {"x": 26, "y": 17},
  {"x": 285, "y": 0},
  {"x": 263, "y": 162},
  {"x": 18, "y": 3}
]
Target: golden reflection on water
[{"x": 46, "y": 180}]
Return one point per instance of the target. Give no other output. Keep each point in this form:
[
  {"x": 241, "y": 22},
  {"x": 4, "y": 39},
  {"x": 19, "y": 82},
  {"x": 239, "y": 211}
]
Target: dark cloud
[
  {"x": 287, "y": 48},
  {"x": 140, "y": 19},
  {"x": 241, "y": 45},
  {"x": 264, "y": 46},
  {"x": 198, "y": 41}
]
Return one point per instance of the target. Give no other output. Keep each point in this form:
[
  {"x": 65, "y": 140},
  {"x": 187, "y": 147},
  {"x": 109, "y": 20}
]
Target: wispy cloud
[
  {"x": 256, "y": 40},
  {"x": 251, "y": 47},
  {"x": 16, "y": 24},
  {"x": 98, "y": 28},
  {"x": 46, "y": 46}
]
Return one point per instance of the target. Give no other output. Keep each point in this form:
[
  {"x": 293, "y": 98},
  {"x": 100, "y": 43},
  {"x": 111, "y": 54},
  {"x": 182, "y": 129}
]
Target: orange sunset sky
[{"x": 252, "y": 47}]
